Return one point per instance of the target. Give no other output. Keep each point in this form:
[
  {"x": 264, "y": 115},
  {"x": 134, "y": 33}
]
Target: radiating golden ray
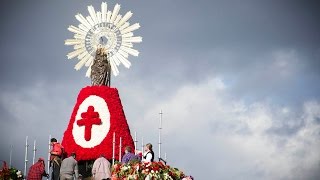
[
  {"x": 115, "y": 13},
  {"x": 108, "y": 16},
  {"x": 89, "y": 19},
  {"x": 78, "y": 46},
  {"x": 89, "y": 62},
  {"x": 124, "y": 19},
  {"x": 83, "y": 55},
  {"x": 83, "y": 21},
  {"x": 123, "y": 60},
  {"x": 99, "y": 17},
  {"x": 104, "y": 10},
  {"x": 133, "y": 39},
  {"x": 131, "y": 28},
  {"x": 130, "y": 51},
  {"x": 93, "y": 14},
  {"x": 79, "y": 36},
  {"x": 124, "y": 54},
  {"x": 129, "y": 34},
  {"x": 127, "y": 44},
  {"x": 73, "y": 41},
  {"x": 125, "y": 25},
  {"x": 82, "y": 62},
  {"x": 117, "y": 19},
  {"x": 75, "y": 53}
]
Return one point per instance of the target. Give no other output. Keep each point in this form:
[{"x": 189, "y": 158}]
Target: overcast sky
[{"x": 238, "y": 82}]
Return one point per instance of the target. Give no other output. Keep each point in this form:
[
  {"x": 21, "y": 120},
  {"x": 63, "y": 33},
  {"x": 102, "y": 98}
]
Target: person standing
[
  {"x": 69, "y": 167},
  {"x": 148, "y": 154},
  {"x": 101, "y": 168},
  {"x": 37, "y": 170},
  {"x": 55, "y": 158},
  {"x": 129, "y": 156}
]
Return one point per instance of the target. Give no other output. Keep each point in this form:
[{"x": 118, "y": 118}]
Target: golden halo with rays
[{"x": 106, "y": 29}]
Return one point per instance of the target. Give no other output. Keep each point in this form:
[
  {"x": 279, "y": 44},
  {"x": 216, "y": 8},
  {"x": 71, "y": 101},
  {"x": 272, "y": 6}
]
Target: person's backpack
[{"x": 59, "y": 149}]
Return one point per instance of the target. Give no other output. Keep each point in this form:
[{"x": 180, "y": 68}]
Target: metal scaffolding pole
[
  {"x": 34, "y": 151},
  {"x": 10, "y": 161},
  {"x": 49, "y": 149},
  {"x": 26, "y": 157},
  {"x": 160, "y": 127},
  {"x": 113, "y": 147},
  {"x": 120, "y": 148},
  {"x": 135, "y": 142}
]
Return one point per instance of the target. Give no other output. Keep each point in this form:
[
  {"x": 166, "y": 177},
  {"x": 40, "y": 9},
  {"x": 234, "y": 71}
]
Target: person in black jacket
[{"x": 148, "y": 154}]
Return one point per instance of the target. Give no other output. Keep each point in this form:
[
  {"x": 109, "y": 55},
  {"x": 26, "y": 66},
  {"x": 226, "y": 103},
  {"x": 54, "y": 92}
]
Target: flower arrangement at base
[
  {"x": 10, "y": 173},
  {"x": 145, "y": 171}
]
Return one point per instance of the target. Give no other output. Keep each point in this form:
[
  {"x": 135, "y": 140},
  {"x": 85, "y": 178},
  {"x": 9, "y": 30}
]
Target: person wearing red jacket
[
  {"x": 56, "y": 158},
  {"x": 57, "y": 149},
  {"x": 37, "y": 170}
]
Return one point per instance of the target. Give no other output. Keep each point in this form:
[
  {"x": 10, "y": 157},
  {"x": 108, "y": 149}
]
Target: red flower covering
[
  {"x": 117, "y": 120},
  {"x": 145, "y": 170}
]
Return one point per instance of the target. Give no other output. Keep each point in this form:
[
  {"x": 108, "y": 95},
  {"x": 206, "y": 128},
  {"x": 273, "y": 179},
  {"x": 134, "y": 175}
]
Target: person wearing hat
[
  {"x": 37, "y": 170},
  {"x": 69, "y": 167}
]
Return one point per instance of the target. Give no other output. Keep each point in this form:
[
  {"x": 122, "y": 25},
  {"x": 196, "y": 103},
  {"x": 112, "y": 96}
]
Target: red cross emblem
[{"x": 89, "y": 119}]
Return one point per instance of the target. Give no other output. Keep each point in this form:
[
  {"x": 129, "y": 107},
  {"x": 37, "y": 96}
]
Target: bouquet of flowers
[
  {"x": 145, "y": 171},
  {"x": 9, "y": 173}
]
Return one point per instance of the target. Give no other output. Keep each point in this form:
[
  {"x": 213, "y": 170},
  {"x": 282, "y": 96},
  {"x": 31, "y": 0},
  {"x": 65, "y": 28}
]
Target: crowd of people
[{"x": 66, "y": 168}]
